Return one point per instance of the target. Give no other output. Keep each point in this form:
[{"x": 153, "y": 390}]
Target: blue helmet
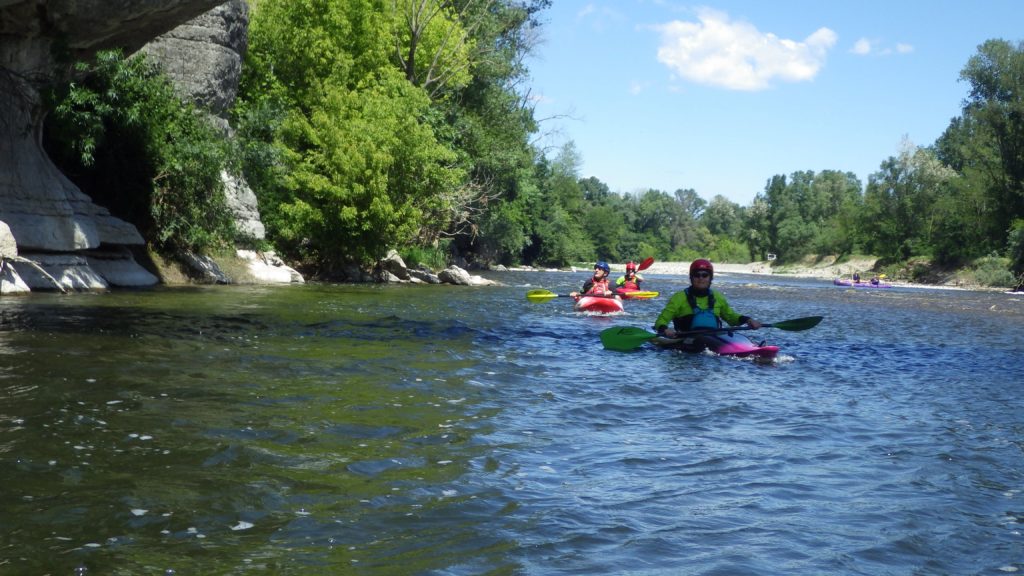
[{"x": 603, "y": 266}]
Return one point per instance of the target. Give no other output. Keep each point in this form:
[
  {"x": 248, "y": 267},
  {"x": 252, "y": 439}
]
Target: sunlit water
[{"x": 452, "y": 430}]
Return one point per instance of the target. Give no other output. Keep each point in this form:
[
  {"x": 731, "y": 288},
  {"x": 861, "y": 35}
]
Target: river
[{"x": 444, "y": 430}]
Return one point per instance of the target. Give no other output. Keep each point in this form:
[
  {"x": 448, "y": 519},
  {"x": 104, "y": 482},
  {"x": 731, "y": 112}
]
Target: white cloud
[
  {"x": 586, "y": 11},
  {"x": 636, "y": 87},
  {"x": 865, "y": 46},
  {"x": 862, "y": 46},
  {"x": 600, "y": 18},
  {"x": 736, "y": 55}
]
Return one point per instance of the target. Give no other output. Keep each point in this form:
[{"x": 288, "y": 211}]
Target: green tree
[
  {"x": 757, "y": 233},
  {"x": 1015, "y": 249},
  {"x": 996, "y": 105},
  {"x": 899, "y": 216},
  {"x": 489, "y": 124},
  {"x": 128, "y": 141},
  {"x": 606, "y": 228},
  {"x": 723, "y": 217},
  {"x": 366, "y": 171},
  {"x": 833, "y": 206},
  {"x": 985, "y": 145},
  {"x": 432, "y": 46},
  {"x": 561, "y": 240}
]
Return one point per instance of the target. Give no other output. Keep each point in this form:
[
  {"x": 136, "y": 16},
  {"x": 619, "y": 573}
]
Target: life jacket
[
  {"x": 628, "y": 284},
  {"x": 703, "y": 317},
  {"x": 598, "y": 286}
]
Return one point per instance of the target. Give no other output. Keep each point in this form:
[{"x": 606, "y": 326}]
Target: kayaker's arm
[{"x": 675, "y": 307}]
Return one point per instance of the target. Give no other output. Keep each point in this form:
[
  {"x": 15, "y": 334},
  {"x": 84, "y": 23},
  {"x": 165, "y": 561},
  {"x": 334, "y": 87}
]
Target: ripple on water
[{"x": 349, "y": 426}]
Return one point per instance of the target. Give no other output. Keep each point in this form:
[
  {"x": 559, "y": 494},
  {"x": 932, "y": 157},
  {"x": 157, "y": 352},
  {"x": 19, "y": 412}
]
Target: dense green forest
[{"x": 370, "y": 125}]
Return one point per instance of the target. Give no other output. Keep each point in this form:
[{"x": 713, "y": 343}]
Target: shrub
[
  {"x": 122, "y": 135},
  {"x": 993, "y": 271},
  {"x": 433, "y": 258}
]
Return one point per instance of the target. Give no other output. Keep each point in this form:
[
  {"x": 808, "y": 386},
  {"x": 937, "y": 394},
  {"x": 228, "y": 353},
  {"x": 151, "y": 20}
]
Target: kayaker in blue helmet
[
  {"x": 699, "y": 306},
  {"x": 596, "y": 285}
]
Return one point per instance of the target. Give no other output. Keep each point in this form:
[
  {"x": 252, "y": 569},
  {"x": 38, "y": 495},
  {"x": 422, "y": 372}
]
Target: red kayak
[{"x": 598, "y": 304}]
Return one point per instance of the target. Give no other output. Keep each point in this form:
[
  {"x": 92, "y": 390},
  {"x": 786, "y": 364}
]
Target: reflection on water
[{"x": 439, "y": 429}]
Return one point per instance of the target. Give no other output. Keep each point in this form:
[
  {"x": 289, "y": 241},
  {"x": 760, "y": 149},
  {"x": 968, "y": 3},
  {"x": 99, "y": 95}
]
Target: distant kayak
[
  {"x": 852, "y": 284},
  {"x": 598, "y": 304},
  {"x": 724, "y": 343},
  {"x": 636, "y": 294}
]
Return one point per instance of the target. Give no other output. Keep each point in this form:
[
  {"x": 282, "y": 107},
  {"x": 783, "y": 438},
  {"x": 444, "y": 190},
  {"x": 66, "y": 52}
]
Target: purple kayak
[{"x": 852, "y": 284}]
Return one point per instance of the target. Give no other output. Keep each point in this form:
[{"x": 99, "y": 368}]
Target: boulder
[
  {"x": 393, "y": 264},
  {"x": 204, "y": 269},
  {"x": 119, "y": 268},
  {"x": 61, "y": 272},
  {"x": 267, "y": 267},
  {"x": 425, "y": 276},
  {"x": 455, "y": 275}
]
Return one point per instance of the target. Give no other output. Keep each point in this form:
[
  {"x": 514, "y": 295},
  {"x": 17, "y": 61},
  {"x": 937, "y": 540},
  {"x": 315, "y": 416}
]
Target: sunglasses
[{"x": 702, "y": 274}]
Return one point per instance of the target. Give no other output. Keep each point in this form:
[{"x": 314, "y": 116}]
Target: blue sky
[{"x": 719, "y": 97}]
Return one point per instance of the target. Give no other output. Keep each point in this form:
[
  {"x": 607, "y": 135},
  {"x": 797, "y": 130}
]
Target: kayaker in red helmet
[
  {"x": 699, "y": 306},
  {"x": 596, "y": 285},
  {"x": 630, "y": 281}
]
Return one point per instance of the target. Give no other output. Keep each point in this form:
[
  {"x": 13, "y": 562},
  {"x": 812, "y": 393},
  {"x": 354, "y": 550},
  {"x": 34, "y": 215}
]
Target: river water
[{"x": 354, "y": 429}]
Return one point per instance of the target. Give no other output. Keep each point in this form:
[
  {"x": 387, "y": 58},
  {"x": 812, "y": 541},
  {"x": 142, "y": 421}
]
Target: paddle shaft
[
  {"x": 795, "y": 325},
  {"x": 628, "y": 337}
]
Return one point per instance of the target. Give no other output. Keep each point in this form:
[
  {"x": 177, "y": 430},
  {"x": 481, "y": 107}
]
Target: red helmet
[
  {"x": 702, "y": 264},
  {"x": 631, "y": 266}
]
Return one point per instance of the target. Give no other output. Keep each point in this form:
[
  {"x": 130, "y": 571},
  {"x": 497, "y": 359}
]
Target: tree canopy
[{"x": 367, "y": 125}]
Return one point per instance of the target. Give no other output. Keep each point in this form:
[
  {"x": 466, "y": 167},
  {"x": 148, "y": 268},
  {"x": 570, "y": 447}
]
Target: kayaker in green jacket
[
  {"x": 699, "y": 306},
  {"x": 630, "y": 281}
]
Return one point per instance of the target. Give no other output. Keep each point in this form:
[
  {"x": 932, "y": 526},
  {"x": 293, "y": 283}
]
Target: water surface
[{"x": 350, "y": 429}]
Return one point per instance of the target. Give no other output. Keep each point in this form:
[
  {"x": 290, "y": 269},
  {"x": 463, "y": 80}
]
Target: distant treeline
[{"x": 367, "y": 125}]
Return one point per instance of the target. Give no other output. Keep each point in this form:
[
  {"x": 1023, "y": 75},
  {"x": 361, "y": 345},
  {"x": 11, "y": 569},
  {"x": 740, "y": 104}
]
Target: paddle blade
[
  {"x": 625, "y": 338},
  {"x": 540, "y": 295},
  {"x": 798, "y": 324},
  {"x": 646, "y": 263}
]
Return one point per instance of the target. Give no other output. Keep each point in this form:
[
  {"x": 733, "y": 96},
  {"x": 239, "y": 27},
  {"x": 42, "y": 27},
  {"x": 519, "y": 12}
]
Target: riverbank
[
  {"x": 824, "y": 269},
  {"x": 821, "y": 269}
]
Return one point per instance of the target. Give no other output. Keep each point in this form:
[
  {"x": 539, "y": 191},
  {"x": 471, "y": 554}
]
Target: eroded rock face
[
  {"x": 45, "y": 212},
  {"x": 203, "y": 57}
]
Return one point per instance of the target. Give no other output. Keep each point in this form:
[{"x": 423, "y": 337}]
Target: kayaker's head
[
  {"x": 701, "y": 273},
  {"x": 630, "y": 269},
  {"x": 601, "y": 269}
]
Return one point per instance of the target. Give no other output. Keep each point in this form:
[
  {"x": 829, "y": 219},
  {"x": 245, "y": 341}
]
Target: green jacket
[{"x": 679, "y": 306}]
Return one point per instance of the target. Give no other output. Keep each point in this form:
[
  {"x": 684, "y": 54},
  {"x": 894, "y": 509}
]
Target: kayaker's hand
[
  {"x": 574, "y": 294},
  {"x": 670, "y": 333},
  {"x": 753, "y": 323}
]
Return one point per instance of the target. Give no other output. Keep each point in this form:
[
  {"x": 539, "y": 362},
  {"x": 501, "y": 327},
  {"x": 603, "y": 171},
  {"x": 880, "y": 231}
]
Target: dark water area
[{"x": 353, "y": 429}]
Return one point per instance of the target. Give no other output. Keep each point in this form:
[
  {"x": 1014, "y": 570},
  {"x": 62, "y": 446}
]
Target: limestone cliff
[{"x": 77, "y": 243}]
